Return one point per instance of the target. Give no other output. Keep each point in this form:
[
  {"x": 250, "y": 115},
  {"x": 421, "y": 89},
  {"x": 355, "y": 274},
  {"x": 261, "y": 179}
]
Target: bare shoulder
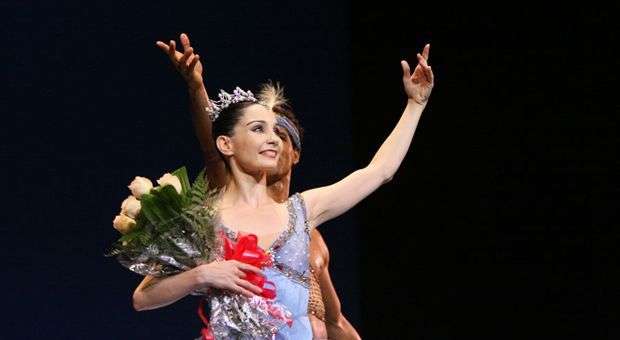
[{"x": 318, "y": 249}]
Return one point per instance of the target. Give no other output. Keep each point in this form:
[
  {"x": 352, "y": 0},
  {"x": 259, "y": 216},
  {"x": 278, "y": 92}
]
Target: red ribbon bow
[{"x": 246, "y": 250}]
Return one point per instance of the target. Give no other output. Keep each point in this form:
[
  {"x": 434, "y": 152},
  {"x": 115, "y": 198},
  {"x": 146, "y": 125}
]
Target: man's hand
[{"x": 187, "y": 63}]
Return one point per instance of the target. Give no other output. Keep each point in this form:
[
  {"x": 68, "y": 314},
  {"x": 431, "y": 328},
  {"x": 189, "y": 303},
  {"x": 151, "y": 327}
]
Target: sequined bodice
[
  {"x": 290, "y": 270},
  {"x": 289, "y": 251}
]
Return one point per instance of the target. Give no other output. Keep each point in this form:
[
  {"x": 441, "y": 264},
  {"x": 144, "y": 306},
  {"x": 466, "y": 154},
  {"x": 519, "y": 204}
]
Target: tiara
[{"x": 226, "y": 99}]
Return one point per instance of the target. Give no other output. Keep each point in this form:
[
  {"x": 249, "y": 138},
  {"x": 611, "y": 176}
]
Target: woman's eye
[{"x": 257, "y": 128}]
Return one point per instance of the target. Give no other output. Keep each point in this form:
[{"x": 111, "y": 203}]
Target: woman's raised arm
[{"x": 331, "y": 201}]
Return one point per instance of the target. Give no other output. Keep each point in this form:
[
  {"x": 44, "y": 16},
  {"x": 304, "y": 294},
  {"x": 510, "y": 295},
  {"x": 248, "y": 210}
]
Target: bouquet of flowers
[
  {"x": 165, "y": 229},
  {"x": 170, "y": 228}
]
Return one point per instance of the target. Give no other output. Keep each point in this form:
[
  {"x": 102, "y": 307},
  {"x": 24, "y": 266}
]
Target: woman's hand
[
  {"x": 419, "y": 85},
  {"x": 187, "y": 63},
  {"x": 228, "y": 275}
]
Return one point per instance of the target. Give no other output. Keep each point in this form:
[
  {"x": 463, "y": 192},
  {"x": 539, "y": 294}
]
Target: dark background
[{"x": 496, "y": 226}]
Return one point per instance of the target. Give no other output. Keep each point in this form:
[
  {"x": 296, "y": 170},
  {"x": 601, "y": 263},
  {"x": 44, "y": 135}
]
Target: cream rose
[
  {"x": 168, "y": 179},
  {"x": 131, "y": 207},
  {"x": 123, "y": 223},
  {"x": 140, "y": 186}
]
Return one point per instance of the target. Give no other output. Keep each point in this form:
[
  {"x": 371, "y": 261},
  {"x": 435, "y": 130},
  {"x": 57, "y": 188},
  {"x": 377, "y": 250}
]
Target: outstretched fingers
[
  {"x": 162, "y": 46},
  {"x": 193, "y": 63},
  {"x": 421, "y": 60},
  {"x": 172, "y": 51},
  {"x": 426, "y": 51},
  {"x": 427, "y": 71},
  {"x": 428, "y": 74},
  {"x": 188, "y": 53},
  {"x": 406, "y": 69},
  {"x": 184, "y": 41}
]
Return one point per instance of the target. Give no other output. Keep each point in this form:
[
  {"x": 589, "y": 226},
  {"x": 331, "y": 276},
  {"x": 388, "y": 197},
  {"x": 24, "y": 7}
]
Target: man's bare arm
[
  {"x": 189, "y": 66},
  {"x": 338, "y": 327}
]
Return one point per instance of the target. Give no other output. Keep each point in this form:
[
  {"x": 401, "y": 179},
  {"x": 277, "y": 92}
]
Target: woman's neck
[{"x": 245, "y": 189}]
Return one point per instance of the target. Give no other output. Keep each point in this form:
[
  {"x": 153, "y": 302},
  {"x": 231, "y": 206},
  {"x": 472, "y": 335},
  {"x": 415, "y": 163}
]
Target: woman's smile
[{"x": 269, "y": 153}]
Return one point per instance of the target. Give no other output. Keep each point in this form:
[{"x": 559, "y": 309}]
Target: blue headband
[{"x": 291, "y": 129}]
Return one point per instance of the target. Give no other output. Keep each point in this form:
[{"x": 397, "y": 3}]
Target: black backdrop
[{"x": 487, "y": 230}]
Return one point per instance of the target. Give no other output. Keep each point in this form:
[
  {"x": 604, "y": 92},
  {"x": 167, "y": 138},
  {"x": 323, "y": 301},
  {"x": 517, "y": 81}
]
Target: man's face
[{"x": 288, "y": 157}]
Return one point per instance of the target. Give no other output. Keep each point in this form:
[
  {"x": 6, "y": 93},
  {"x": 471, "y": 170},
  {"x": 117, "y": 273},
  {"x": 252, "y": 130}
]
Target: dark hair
[{"x": 225, "y": 123}]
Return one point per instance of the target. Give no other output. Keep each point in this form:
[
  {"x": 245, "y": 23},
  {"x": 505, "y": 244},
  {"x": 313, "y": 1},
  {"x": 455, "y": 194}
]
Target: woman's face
[{"x": 255, "y": 142}]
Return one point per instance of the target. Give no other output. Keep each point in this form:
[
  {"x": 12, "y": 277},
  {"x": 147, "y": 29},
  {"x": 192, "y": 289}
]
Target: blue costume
[{"x": 234, "y": 316}]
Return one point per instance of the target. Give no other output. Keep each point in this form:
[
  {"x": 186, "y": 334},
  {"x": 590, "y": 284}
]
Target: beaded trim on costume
[
  {"x": 281, "y": 240},
  {"x": 294, "y": 275},
  {"x": 302, "y": 203}
]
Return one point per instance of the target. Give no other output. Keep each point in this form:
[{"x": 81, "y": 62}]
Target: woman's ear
[{"x": 224, "y": 144}]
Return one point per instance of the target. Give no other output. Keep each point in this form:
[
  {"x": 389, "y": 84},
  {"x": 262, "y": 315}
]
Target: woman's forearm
[
  {"x": 393, "y": 150},
  {"x": 155, "y": 293},
  {"x": 325, "y": 203}
]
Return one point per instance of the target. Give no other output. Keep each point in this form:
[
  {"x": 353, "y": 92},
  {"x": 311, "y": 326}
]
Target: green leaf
[
  {"x": 181, "y": 173},
  {"x": 149, "y": 208},
  {"x": 167, "y": 197}
]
